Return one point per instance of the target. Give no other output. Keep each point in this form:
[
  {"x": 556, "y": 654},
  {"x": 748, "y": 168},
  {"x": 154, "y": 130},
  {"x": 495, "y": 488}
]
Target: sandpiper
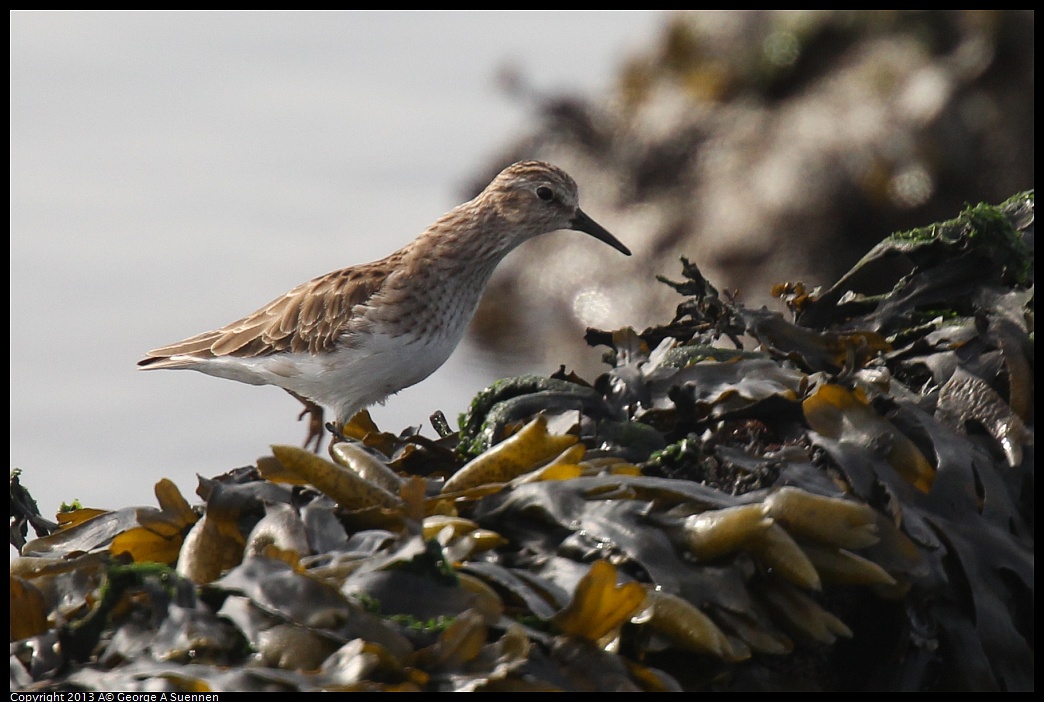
[{"x": 350, "y": 338}]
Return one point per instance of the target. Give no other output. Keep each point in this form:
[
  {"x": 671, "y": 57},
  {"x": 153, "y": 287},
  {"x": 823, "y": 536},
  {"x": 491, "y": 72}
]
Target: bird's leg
[{"x": 315, "y": 422}]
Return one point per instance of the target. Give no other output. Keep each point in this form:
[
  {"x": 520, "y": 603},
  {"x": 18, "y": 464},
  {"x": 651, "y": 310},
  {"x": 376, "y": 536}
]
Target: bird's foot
[
  {"x": 315, "y": 426},
  {"x": 314, "y": 439},
  {"x": 336, "y": 431}
]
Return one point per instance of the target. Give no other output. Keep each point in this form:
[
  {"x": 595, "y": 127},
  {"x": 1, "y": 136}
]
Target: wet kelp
[{"x": 841, "y": 499}]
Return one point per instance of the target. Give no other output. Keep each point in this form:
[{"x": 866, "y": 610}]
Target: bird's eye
[{"x": 545, "y": 193}]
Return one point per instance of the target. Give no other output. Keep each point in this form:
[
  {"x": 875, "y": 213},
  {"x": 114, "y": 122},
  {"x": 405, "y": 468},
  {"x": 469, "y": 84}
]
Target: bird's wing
[{"x": 309, "y": 318}]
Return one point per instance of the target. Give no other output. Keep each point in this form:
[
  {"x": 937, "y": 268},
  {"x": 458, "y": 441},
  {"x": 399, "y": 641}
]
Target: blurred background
[{"x": 171, "y": 172}]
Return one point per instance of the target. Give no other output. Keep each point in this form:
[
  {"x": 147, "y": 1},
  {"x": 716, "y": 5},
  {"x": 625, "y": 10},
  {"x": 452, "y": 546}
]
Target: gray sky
[{"x": 173, "y": 171}]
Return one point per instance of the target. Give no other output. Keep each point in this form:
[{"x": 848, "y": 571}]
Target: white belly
[{"x": 347, "y": 379}]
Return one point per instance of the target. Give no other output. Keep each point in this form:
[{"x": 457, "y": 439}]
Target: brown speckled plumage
[{"x": 350, "y": 338}]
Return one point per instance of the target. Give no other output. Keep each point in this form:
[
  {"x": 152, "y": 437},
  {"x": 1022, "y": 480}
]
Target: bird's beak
[{"x": 582, "y": 223}]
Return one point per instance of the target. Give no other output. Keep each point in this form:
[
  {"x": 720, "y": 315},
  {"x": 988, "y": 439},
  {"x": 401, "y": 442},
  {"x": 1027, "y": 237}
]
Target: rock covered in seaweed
[{"x": 742, "y": 501}]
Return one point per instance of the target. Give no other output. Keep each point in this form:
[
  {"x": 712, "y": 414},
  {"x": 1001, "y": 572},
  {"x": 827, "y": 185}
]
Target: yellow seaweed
[
  {"x": 842, "y": 567},
  {"x": 827, "y": 520},
  {"x": 281, "y": 529},
  {"x": 687, "y": 626},
  {"x": 461, "y": 642},
  {"x": 754, "y": 634},
  {"x": 778, "y": 553},
  {"x": 28, "y": 609},
  {"x": 599, "y": 606},
  {"x": 211, "y": 547},
  {"x": 158, "y": 538},
  {"x": 718, "y": 532},
  {"x": 344, "y": 486},
  {"x": 366, "y": 466},
  {"x": 804, "y": 616},
  {"x": 529, "y": 448},
  {"x": 434, "y": 524},
  {"x": 844, "y": 415}
]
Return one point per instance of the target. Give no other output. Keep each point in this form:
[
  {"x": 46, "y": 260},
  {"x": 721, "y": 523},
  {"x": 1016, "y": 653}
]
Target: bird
[{"x": 351, "y": 338}]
